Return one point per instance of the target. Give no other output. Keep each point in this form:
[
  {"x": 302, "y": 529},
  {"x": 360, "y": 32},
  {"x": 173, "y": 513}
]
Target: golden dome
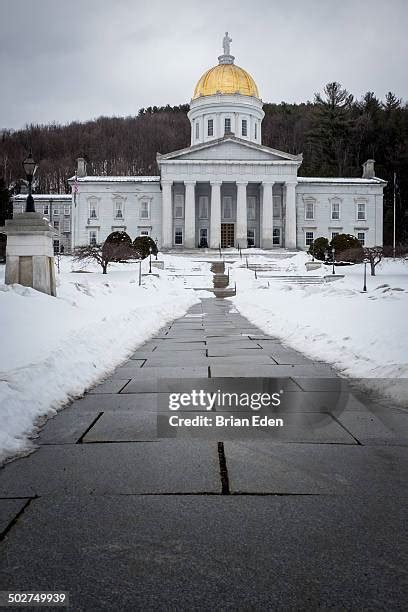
[{"x": 226, "y": 79}]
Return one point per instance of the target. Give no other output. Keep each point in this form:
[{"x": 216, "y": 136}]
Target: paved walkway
[{"x": 123, "y": 521}]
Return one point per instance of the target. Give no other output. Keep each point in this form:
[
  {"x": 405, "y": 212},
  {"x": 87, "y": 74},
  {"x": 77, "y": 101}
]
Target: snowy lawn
[
  {"x": 53, "y": 349},
  {"x": 363, "y": 335}
]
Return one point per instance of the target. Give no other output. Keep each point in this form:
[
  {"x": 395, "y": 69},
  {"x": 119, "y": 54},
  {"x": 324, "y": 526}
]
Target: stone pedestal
[{"x": 30, "y": 252}]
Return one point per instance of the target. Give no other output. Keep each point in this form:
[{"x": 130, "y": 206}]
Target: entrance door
[
  {"x": 276, "y": 236},
  {"x": 227, "y": 235}
]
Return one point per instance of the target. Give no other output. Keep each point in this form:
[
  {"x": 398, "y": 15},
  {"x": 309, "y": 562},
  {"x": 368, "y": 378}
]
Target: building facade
[{"x": 227, "y": 188}]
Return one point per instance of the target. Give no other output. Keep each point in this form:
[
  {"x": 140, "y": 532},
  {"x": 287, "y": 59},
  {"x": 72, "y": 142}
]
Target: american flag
[{"x": 75, "y": 188}]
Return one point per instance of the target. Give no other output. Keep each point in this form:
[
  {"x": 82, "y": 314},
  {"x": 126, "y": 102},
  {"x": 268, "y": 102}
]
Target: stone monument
[{"x": 30, "y": 252}]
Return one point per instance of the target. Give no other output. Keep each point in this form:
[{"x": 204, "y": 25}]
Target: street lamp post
[
  {"x": 155, "y": 240},
  {"x": 365, "y": 275},
  {"x": 150, "y": 260},
  {"x": 333, "y": 254},
  {"x": 30, "y": 168}
]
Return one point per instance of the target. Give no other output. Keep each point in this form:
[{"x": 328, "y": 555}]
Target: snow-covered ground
[
  {"x": 55, "y": 348},
  {"x": 363, "y": 335}
]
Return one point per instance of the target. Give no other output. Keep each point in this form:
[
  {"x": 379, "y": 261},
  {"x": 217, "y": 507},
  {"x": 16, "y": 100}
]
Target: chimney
[
  {"x": 368, "y": 169},
  {"x": 81, "y": 167}
]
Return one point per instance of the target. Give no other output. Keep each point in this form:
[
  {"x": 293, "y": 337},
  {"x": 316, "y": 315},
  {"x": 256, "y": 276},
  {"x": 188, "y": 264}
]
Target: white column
[
  {"x": 189, "y": 215},
  {"x": 267, "y": 216},
  {"x": 167, "y": 215},
  {"x": 241, "y": 225},
  {"x": 290, "y": 219},
  {"x": 215, "y": 223}
]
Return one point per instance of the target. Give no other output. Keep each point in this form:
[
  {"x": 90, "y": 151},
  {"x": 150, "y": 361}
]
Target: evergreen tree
[{"x": 330, "y": 133}]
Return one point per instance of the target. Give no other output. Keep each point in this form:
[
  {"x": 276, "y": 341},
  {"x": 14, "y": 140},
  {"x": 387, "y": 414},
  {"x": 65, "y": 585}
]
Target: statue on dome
[{"x": 226, "y": 44}]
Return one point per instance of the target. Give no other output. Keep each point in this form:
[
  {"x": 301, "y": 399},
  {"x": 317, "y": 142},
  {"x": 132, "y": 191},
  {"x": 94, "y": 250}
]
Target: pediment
[{"x": 230, "y": 148}]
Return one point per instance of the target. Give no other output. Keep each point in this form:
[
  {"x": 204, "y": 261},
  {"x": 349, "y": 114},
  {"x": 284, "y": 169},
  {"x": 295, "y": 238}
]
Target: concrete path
[{"x": 122, "y": 521}]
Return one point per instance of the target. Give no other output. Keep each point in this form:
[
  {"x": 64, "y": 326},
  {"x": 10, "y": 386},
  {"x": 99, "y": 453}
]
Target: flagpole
[{"x": 393, "y": 241}]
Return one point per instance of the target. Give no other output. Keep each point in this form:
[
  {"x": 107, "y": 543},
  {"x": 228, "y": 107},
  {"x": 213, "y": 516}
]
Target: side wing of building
[
  {"x": 326, "y": 207},
  {"x": 102, "y": 205}
]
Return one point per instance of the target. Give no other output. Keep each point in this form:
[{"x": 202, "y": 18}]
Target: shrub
[
  {"x": 348, "y": 248},
  {"x": 318, "y": 248},
  {"x": 142, "y": 245}
]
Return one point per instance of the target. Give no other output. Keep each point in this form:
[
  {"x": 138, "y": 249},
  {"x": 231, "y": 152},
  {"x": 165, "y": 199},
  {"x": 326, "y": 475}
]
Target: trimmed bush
[
  {"x": 348, "y": 248},
  {"x": 142, "y": 245},
  {"x": 318, "y": 248}
]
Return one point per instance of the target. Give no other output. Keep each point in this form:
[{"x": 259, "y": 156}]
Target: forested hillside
[{"x": 336, "y": 134}]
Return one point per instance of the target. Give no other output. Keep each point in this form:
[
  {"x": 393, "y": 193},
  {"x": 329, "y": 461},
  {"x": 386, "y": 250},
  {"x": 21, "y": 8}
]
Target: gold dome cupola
[{"x": 225, "y": 99}]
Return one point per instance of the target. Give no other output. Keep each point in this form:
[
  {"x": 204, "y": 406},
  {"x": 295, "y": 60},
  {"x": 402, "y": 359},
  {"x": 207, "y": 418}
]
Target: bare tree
[
  {"x": 374, "y": 255},
  {"x": 104, "y": 254}
]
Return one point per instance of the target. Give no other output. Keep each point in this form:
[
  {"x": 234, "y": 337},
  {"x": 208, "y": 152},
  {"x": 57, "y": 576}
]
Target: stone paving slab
[
  {"x": 155, "y": 354},
  {"x": 294, "y": 371},
  {"x": 111, "y": 385},
  {"x": 245, "y": 552},
  {"x": 119, "y": 402},
  {"x": 124, "y": 427},
  {"x": 109, "y": 469},
  {"x": 215, "y": 343},
  {"x": 178, "y": 359},
  {"x": 255, "y": 467},
  {"x": 232, "y": 360},
  {"x": 386, "y": 427},
  {"x": 67, "y": 427},
  {"x": 225, "y": 350},
  {"x": 9, "y": 509},
  {"x": 180, "y": 344},
  {"x": 318, "y": 383}
]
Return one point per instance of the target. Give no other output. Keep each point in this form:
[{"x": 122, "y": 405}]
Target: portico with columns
[{"x": 242, "y": 201}]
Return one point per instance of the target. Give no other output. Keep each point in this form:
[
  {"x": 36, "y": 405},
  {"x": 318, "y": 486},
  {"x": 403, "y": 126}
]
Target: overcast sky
[{"x": 65, "y": 60}]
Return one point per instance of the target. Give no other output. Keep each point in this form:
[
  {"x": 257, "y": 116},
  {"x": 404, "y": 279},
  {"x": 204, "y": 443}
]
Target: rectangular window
[
  {"x": 276, "y": 239},
  {"x": 227, "y": 207},
  {"x": 361, "y": 211},
  {"x": 93, "y": 240},
  {"x": 55, "y": 211},
  {"x": 203, "y": 207},
  {"x": 144, "y": 232},
  {"x": 178, "y": 235},
  {"x": 56, "y": 225},
  {"x": 118, "y": 209},
  {"x": 45, "y": 209},
  {"x": 251, "y": 208},
  {"x": 144, "y": 209},
  {"x": 256, "y": 131},
  {"x": 277, "y": 207},
  {"x": 178, "y": 205},
  {"x": 309, "y": 210},
  {"x": 227, "y": 125},
  {"x": 309, "y": 237},
  {"x": 335, "y": 210},
  {"x": 67, "y": 225},
  {"x": 361, "y": 238},
  {"x": 56, "y": 247},
  {"x": 67, "y": 211},
  {"x": 334, "y": 234},
  {"x": 197, "y": 130},
  {"x": 92, "y": 210},
  {"x": 250, "y": 238},
  {"x": 244, "y": 127},
  {"x": 210, "y": 127}
]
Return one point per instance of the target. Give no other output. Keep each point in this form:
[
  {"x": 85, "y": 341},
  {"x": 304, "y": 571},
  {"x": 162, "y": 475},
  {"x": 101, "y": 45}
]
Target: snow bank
[
  {"x": 363, "y": 335},
  {"x": 59, "y": 347}
]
